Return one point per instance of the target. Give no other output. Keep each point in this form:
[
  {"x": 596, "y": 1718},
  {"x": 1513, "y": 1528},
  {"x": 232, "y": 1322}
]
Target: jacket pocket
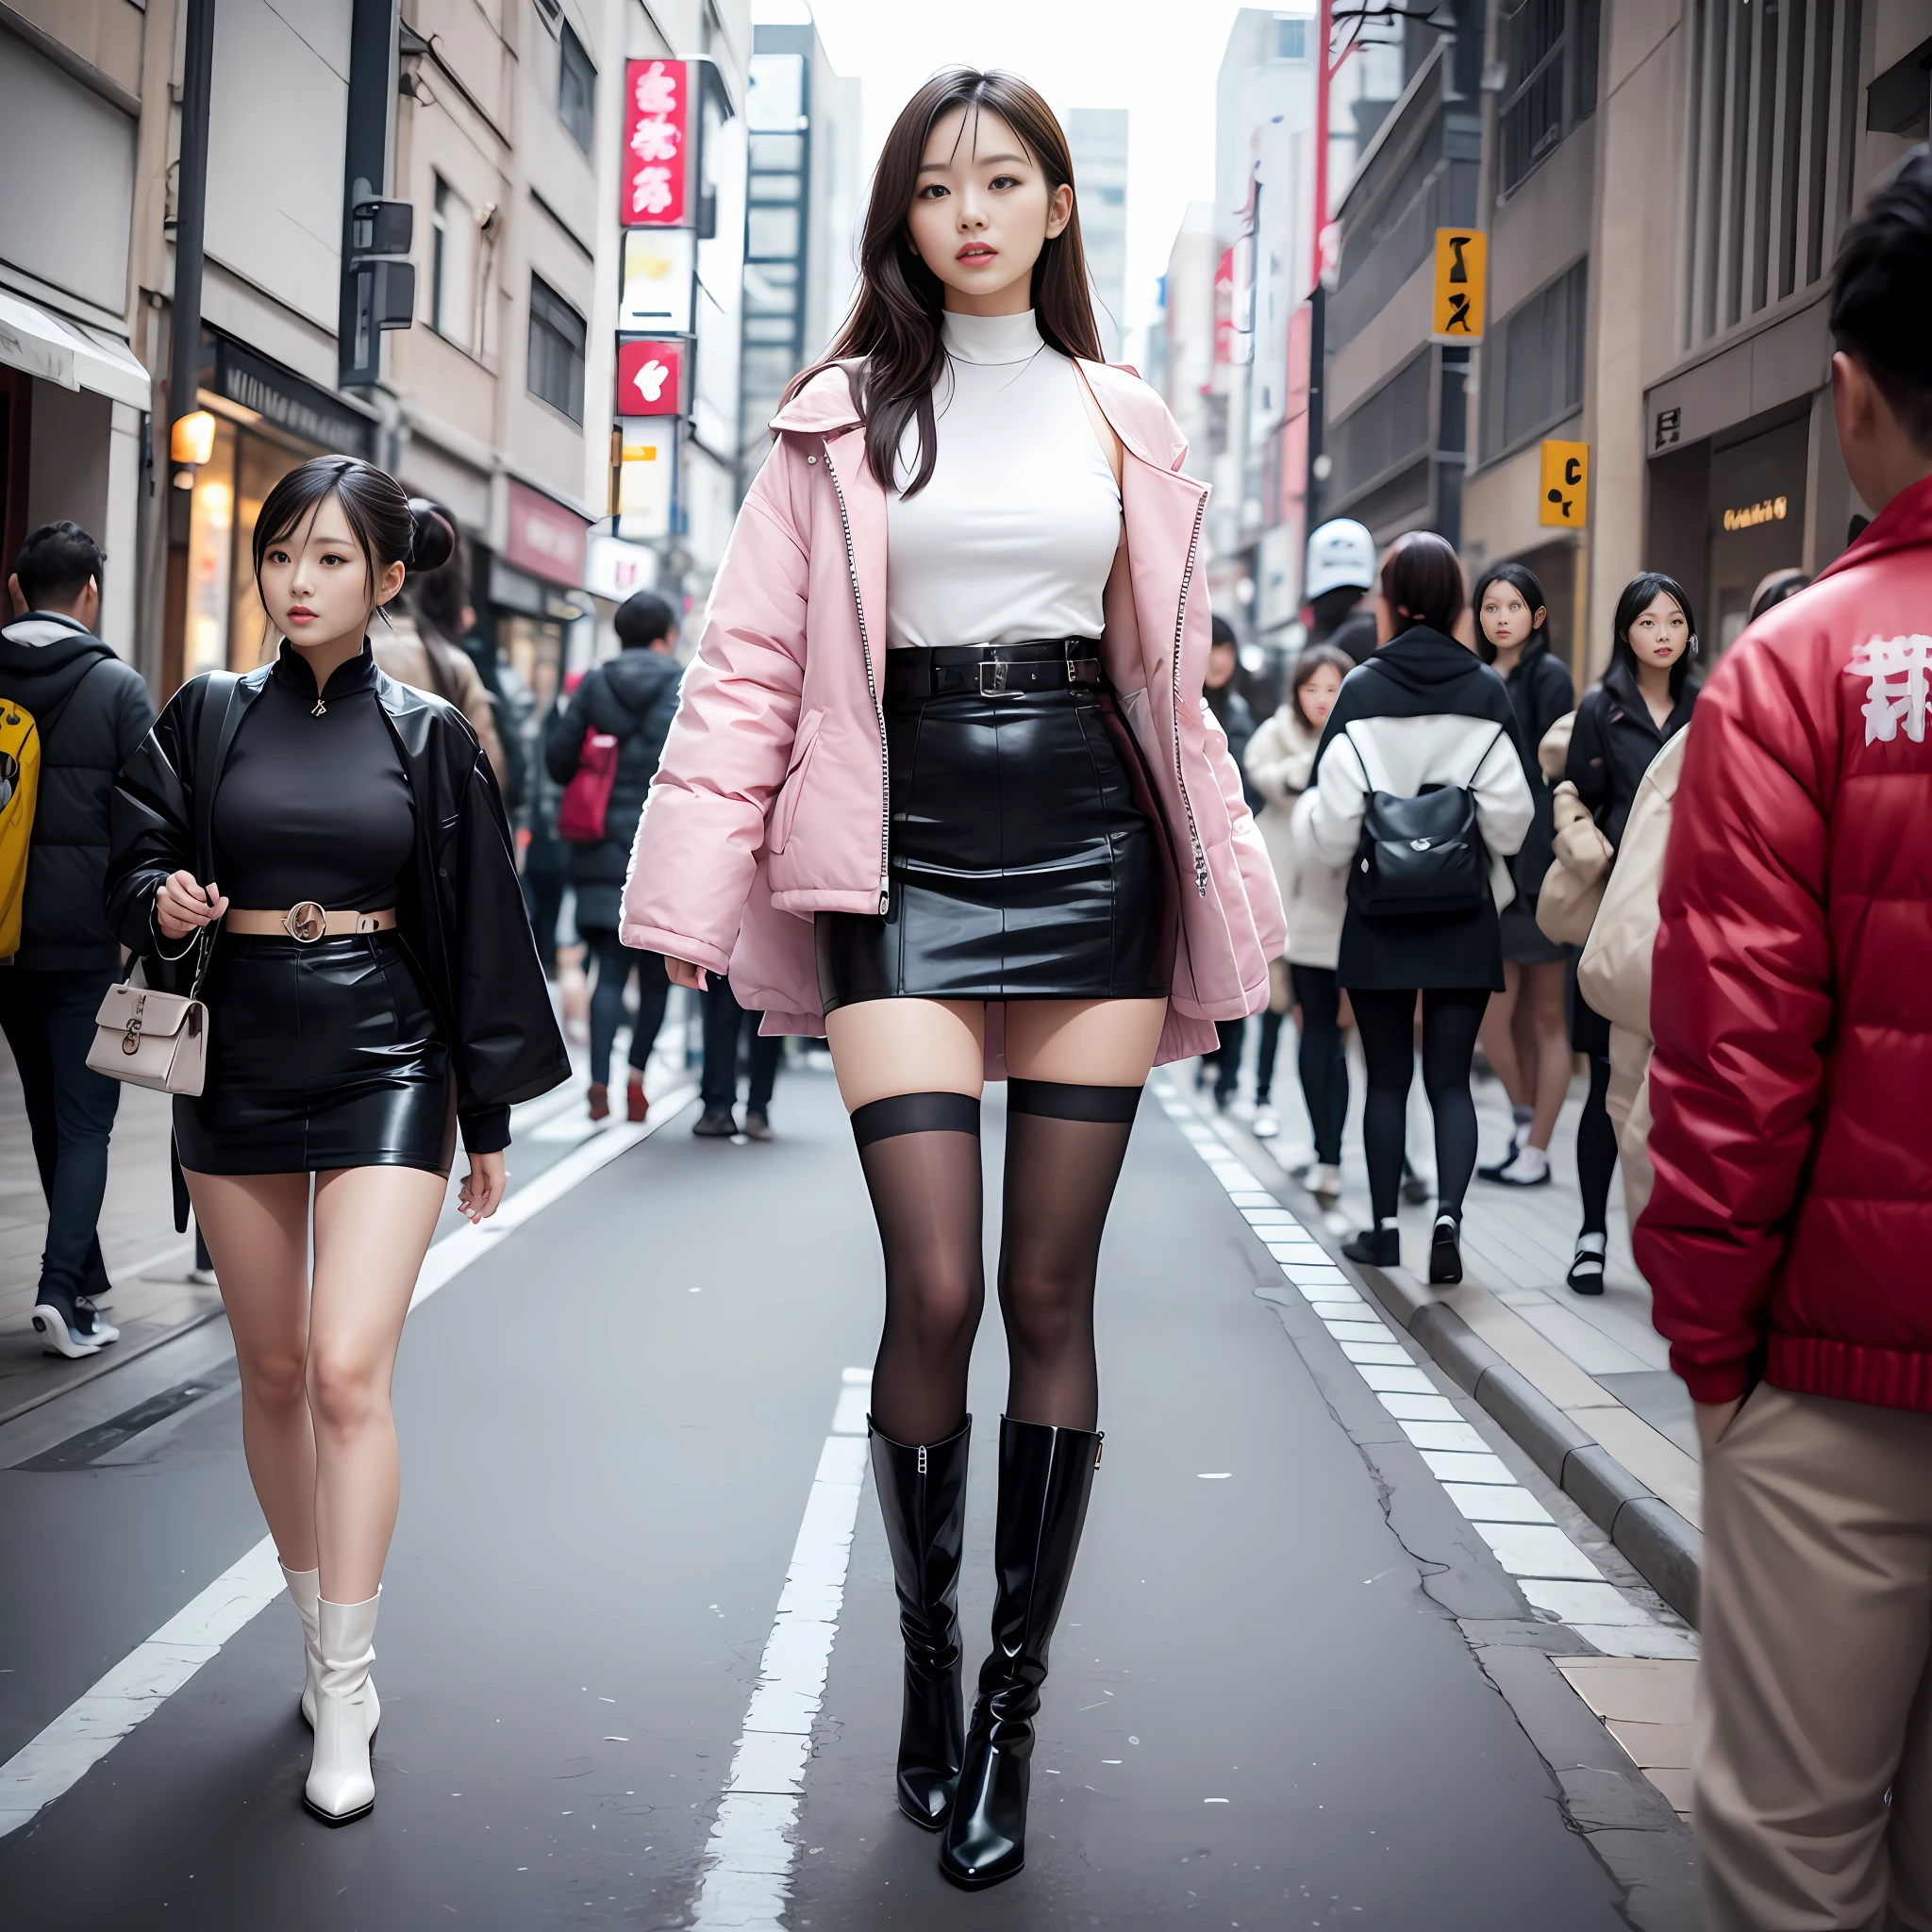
[{"x": 785, "y": 808}]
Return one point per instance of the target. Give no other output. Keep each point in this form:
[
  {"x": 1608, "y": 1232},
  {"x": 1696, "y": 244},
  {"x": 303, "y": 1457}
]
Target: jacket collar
[
  {"x": 293, "y": 670},
  {"x": 1623, "y": 686},
  {"x": 1904, "y": 523},
  {"x": 826, "y": 407},
  {"x": 39, "y": 628}
]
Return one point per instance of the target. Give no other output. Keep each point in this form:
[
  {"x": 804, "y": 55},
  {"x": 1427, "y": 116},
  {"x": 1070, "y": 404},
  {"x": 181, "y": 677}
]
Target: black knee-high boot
[
  {"x": 1046, "y": 1476},
  {"x": 923, "y": 1497}
]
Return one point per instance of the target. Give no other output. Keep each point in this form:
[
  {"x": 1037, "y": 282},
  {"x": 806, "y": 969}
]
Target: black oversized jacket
[
  {"x": 1613, "y": 741},
  {"x": 461, "y": 910},
  {"x": 99, "y": 710},
  {"x": 634, "y": 697},
  {"x": 1541, "y": 691}
]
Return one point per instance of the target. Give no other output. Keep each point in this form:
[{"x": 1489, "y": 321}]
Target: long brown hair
[{"x": 894, "y": 323}]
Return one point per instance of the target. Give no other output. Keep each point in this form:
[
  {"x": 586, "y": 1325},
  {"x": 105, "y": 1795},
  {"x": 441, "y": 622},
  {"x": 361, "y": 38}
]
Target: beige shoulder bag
[{"x": 153, "y": 1039}]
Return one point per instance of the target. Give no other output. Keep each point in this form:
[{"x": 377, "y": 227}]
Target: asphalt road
[{"x": 1274, "y": 1699}]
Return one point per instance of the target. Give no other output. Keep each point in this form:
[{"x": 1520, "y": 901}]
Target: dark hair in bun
[{"x": 388, "y": 525}]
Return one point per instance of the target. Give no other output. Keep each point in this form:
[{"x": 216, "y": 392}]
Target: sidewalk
[{"x": 1596, "y": 1358}]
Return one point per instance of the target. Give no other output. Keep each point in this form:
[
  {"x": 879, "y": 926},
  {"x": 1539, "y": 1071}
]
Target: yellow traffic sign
[
  {"x": 1461, "y": 257},
  {"x": 1564, "y": 487}
]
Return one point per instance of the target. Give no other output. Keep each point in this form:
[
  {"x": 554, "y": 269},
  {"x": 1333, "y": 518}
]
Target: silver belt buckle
[
  {"x": 995, "y": 687},
  {"x": 306, "y": 922}
]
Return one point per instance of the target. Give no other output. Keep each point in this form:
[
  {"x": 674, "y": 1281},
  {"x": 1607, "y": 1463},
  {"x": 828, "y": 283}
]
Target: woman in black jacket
[
  {"x": 371, "y": 987},
  {"x": 1524, "y": 1033},
  {"x": 1645, "y": 697},
  {"x": 1423, "y": 715},
  {"x": 633, "y": 698}
]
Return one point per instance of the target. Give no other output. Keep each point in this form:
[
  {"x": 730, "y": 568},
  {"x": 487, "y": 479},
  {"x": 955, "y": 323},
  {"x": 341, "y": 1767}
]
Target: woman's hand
[
  {"x": 182, "y": 905},
  {"x": 481, "y": 1193},
  {"x": 682, "y": 973}
]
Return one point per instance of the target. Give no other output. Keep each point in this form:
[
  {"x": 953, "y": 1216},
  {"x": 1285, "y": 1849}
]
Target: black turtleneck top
[{"x": 313, "y": 802}]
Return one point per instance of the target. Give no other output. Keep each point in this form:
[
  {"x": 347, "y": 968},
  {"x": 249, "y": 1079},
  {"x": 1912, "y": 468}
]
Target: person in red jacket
[{"x": 1789, "y": 1241}]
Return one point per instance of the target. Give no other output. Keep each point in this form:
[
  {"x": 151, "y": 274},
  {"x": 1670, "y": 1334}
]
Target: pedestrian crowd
[{"x": 1711, "y": 883}]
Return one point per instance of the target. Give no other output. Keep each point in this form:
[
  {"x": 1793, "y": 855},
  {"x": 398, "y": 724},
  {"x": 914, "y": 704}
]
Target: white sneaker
[
  {"x": 1530, "y": 1168},
  {"x": 58, "y": 1336},
  {"x": 1324, "y": 1183},
  {"x": 1267, "y": 1124},
  {"x": 202, "y": 1278}
]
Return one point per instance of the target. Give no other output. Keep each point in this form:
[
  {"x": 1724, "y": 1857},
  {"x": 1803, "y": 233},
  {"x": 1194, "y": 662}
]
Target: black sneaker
[
  {"x": 1445, "y": 1252},
  {"x": 1495, "y": 1171},
  {"x": 57, "y": 1323},
  {"x": 1415, "y": 1190},
  {"x": 716, "y": 1124},
  {"x": 1376, "y": 1247}
]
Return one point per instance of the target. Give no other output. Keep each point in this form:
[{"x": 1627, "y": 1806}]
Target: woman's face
[
  {"x": 1221, "y": 660},
  {"x": 315, "y": 580},
  {"x": 1662, "y": 633},
  {"x": 982, "y": 211},
  {"x": 1507, "y": 619},
  {"x": 1317, "y": 692}
]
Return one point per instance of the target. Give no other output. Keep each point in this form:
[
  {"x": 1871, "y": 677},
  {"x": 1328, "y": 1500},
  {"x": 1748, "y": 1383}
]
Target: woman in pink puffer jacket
[{"x": 942, "y": 787}]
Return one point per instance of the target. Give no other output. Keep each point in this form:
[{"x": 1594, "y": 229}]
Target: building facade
[
  {"x": 1097, "y": 139},
  {"x": 1664, "y": 190}
]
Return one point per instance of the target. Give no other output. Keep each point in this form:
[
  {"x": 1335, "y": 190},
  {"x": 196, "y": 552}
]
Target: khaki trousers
[{"x": 1815, "y": 1698}]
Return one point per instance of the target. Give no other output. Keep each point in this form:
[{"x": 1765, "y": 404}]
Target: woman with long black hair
[
  {"x": 1524, "y": 1032},
  {"x": 1644, "y": 699},
  {"x": 970, "y": 818},
  {"x": 1418, "y": 790},
  {"x": 328, "y": 846}
]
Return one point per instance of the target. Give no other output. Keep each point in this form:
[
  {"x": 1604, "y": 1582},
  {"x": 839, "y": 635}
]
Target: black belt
[{"x": 994, "y": 671}]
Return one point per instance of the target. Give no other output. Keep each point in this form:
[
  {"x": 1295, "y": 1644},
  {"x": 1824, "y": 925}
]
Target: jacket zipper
[
  {"x": 1180, "y": 619},
  {"x": 873, "y": 689}
]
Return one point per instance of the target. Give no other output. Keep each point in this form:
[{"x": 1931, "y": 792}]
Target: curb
[{"x": 1662, "y": 1545}]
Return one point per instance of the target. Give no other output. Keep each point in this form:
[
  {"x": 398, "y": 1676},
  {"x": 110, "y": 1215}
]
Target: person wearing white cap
[{"x": 1340, "y": 568}]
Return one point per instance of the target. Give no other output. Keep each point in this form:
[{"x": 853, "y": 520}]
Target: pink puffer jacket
[{"x": 769, "y": 803}]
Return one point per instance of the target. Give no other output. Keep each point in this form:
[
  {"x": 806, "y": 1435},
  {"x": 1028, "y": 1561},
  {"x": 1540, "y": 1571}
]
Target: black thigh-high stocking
[
  {"x": 1064, "y": 1149},
  {"x": 920, "y": 1157},
  {"x": 1596, "y": 1149}
]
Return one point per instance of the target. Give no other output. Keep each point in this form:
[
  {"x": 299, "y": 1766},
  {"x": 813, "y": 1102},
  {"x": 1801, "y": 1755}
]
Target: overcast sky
[{"x": 1155, "y": 58}]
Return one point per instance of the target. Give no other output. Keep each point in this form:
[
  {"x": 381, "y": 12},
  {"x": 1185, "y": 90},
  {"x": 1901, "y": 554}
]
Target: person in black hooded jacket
[
  {"x": 1424, "y": 714},
  {"x": 89, "y": 711},
  {"x": 633, "y": 697}
]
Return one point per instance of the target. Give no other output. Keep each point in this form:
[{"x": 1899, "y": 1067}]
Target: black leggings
[
  {"x": 920, "y": 1156},
  {"x": 1451, "y": 1018},
  {"x": 1323, "y": 1061},
  {"x": 614, "y": 961},
  {"x": 1596, "y": 1149}
]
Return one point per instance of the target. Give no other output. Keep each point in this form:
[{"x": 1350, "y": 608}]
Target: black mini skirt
[
  {"x": 1026, "y": 860},
  {"x": 320, "y": 1056}
]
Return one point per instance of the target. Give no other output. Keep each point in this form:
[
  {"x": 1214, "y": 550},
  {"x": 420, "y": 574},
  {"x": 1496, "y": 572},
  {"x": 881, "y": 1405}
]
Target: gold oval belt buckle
[{"x": 306, "y": 922}]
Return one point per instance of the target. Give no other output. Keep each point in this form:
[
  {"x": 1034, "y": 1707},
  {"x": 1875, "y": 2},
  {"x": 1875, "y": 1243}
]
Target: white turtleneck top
[{"x": 1015, "y": 534}]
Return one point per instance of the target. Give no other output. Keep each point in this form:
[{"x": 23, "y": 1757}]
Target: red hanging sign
[
  {"x": 650, "y": 377},
  {"x": 656, "y": 130}
]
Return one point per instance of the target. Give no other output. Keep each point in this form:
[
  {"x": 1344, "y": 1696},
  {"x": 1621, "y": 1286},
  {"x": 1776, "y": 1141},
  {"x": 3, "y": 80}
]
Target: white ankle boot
[
  {"x": 305, "y": 1592},
  {"x": 340, "y": 1783}
]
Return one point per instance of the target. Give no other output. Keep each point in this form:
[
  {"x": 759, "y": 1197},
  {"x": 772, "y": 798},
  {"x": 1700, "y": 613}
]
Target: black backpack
[{"x": 1420, "y": 856}]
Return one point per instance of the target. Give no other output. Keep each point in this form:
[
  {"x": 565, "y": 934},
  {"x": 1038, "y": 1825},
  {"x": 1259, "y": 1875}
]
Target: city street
[{"x": 1295, "y": 1684}]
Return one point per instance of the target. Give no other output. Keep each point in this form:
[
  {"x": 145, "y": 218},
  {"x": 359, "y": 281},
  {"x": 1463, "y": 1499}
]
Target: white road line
[
  {"x": 747, "y": 1878},
  {"x": 56, "y": 1760},
  {"x": 1556, "y": 1577}
]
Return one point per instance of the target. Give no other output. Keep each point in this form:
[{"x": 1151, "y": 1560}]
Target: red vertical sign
[
  {"x": 650, "y": 376},
  {"x": 1223, "y": 308},
  {"x": 657, "y": 144}
]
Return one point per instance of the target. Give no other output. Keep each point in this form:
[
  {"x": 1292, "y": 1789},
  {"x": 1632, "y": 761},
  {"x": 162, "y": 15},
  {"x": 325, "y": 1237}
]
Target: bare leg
[
  {"x": 1501, "y": 1044},
  {"x": 372, "y": 1229},
  {"x": 256, "y": 1230},
  {"x": 1542, "y": 995},
  {"x": 1077, "y": 1069}
]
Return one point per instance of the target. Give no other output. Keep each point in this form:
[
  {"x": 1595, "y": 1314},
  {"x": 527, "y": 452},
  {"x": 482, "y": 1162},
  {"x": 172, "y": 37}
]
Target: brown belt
[{"x": 308, "y": 923}]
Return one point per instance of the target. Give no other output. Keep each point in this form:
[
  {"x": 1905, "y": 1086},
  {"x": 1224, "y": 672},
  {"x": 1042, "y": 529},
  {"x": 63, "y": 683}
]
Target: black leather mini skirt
[
  {"x": 319, "y": 1056},
  {"x": 1027, "y": 857}
]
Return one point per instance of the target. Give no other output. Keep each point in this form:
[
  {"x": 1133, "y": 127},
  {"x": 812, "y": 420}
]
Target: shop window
[
  {"x": 556, "y": 351},
  {"x": 1549, "y": 88},
  {"x": 1292, "y": 39},
  {"x": 1771, "y": 118},
  {"x": 576, "y": 88},
  {"x": 1533, "y": 363},
  {"x": 453, "y": 267}
]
